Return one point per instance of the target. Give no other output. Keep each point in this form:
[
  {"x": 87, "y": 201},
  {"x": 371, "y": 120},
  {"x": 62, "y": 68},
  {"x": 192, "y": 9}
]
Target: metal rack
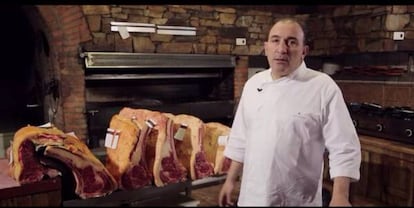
[{"x": 176, "y": 194}]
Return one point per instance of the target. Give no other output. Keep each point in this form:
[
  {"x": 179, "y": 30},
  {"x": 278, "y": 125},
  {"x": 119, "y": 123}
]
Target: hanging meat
[
  {"x": 214, "y": 142},
  {"x": 126, "y": 152},
  {"x": 188, "y": 134},
  {"x": 160, "y": 151}
]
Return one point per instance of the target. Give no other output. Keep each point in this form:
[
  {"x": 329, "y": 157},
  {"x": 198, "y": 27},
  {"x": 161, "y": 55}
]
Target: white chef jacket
[{"x": 280, "y": 132}]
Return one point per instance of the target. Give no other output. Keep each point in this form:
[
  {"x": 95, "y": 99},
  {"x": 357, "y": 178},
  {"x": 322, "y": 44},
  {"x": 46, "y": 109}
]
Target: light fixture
[
  {"x": 124, "y": 28},
  {"x": 176, "y": 30},
  {"x": 133, "y": 27}
]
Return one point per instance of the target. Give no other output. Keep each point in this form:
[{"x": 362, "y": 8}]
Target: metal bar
[
  {"x": 176, "y": 32},
  {"x": 149, "y": 76},
  {"x": 122, "y": 198},
  {"x": 175, "y": 27},
  {"x": 135, "y": 29},
  {"x": 103, "y": 60},
  {"x": 133, "y": 24},
  {"x": 375, "y": 82},
  {"x": 208, "y": 181}
]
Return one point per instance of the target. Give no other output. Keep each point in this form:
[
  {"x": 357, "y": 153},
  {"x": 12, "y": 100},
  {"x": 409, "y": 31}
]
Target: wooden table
[
  {"x": 42, "y": 193},
  {"x": 387, "y": 174},
  {"x": 208, "y": 196}
]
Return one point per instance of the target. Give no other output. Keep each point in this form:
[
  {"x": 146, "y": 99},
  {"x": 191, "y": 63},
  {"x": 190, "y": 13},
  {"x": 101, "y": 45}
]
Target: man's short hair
[{"x": 300, "y": 22}]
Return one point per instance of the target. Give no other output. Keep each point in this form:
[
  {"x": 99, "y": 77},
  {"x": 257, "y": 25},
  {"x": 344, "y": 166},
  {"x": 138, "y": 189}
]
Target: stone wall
[
  {"x": 346, "y": 29},
  {"x": 361, "y": 28},
  {"x": 217, "y": 29}
]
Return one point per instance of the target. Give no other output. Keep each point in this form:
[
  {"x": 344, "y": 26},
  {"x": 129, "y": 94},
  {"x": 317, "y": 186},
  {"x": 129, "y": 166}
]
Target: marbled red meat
[
  {"x": 160, "y": 152},
  {"x": 190, "y": 149},
  {"x": 126, "y": 160},
  {"x": 27, "y": 166}
]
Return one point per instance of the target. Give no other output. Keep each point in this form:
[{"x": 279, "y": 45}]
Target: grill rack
[{"x": 170, "y": 195}]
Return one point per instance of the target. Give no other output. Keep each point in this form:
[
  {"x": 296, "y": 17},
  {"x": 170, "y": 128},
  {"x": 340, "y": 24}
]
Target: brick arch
[{"x": 67, "y": 28}]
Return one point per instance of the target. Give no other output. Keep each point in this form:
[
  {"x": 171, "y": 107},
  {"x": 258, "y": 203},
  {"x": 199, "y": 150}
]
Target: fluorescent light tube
[
  {"x": 133, "y": 24},
  {"x": 175, "y": 27},
  {"x": 176, "y": 32},
  {"x": 135, "y": 29}
]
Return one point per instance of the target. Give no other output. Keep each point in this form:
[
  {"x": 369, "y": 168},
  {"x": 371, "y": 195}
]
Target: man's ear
[{"x": 305, "y": 50}]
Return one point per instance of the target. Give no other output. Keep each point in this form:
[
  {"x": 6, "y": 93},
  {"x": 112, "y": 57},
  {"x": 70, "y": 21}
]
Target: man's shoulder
[
  {"x": 323, "y": 80},
  {"x": 320, "y": 75},
  {"x": 260, "y": 76}
]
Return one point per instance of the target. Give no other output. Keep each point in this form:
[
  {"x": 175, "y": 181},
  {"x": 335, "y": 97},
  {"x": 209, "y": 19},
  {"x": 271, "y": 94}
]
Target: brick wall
[
  {"x": 382, "y": 94},
  {"x": 67, "y": 28}
]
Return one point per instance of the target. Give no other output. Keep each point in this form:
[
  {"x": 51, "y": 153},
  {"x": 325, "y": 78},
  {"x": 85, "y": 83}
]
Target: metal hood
[
  {"x": 127, "y": 66},
  {"x": 155, "y": 60}
]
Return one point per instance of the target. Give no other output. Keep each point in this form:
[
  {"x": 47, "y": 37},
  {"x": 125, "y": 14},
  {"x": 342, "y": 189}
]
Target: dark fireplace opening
[{"x": 19, "y": 83}]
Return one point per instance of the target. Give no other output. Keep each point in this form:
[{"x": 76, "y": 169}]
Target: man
[{"x": 286, "y": 118}]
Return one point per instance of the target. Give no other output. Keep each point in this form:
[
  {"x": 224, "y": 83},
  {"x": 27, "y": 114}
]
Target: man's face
[{"x": 285, "y": 48}]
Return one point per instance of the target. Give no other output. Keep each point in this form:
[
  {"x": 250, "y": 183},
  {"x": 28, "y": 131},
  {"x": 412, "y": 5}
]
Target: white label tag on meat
[
  {"x": 111, "y": 138},
  {"x": 150, "y": 123},
  {"x": 179, "y": 135},
  {"x": 46, "y": 125},
  {"x": 222, "y": 140}
]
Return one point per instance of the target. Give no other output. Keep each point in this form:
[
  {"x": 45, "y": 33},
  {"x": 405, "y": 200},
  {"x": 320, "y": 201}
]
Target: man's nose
[{"x": 282, "y": 47}]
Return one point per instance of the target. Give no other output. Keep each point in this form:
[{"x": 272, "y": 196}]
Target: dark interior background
[{"x": 18, "y": 84}]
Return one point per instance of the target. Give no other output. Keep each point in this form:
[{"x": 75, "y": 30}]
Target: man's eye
[{"x": 292, "y": 43}]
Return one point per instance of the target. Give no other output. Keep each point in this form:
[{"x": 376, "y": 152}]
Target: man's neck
[{"x": 276, "y": 75}]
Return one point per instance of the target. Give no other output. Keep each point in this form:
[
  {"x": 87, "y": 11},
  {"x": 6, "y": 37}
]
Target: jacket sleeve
[
  {"x": 237, "y": 138},
  {"x": 341, "y": 138}
]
